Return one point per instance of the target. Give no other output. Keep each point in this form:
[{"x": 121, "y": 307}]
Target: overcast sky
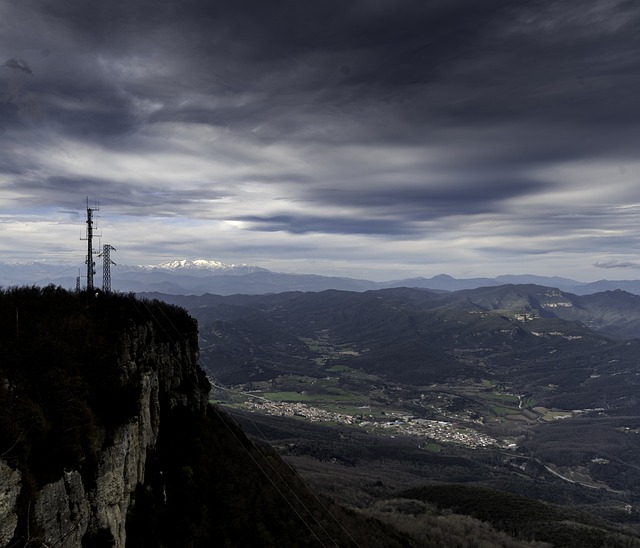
[{"x": 371, "y": 138}]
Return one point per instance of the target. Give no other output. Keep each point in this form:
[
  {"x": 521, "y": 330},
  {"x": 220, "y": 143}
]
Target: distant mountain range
[
  {"x": 186, "y": 277},
  {"x": 527, "y": 336}
]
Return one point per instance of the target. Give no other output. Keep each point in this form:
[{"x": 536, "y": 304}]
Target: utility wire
[
  {"x": 181, "y": 336},
  {"x": 296, "y": 473},
  {"x": 253, "y": 444},
  {"x": 291, "y": 468}
]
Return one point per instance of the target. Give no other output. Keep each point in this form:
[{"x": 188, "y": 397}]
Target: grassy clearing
[
  {"x": 551, "y": 415},
  {"x": 517, "y": 418},
  {"x": 320, "y": 349},
  {"x": 288, "y": 396},
  {"x": 324, "y": 399},
  {"x": 350, "y": 373},
  {"x": 345, "y": 397},
  {"x": 346, "y": 409},
  {"x": 556, "y": 415},
  {"x": 502, "y": 411},
  {"x": 340, "y": 369},
  {"x": 348, "y": 352},
  {"x": 503, "y": 398}
]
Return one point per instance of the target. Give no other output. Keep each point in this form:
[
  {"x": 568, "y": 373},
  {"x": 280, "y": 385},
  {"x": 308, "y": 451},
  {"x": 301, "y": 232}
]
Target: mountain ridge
[
  {"x": 202, "y": 276},
  {"x": 534, "y": 368},
  {"x": 454, "y": 332}
]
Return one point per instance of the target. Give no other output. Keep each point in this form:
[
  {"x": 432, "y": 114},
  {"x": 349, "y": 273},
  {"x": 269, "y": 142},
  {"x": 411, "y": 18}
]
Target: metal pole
[
  {"x": 89, "y": 237},
  {"x": 106, "y": 267}
]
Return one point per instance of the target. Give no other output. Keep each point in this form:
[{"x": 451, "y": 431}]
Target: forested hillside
[
  {"x": 519, "y": 388},
  {"x": 103, "y": 407},
  {"x": 107, "y": 439}
]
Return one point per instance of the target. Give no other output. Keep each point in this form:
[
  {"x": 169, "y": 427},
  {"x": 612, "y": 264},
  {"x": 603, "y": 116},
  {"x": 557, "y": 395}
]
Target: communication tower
[
  {"x": 106, "y": 267},
  {"x": 89, "y": 237}
]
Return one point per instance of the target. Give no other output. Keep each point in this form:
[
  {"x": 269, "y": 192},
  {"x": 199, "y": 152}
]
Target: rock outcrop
[
  {"x": 163, "y": 371},
  {"x": 9, "y": 491}
]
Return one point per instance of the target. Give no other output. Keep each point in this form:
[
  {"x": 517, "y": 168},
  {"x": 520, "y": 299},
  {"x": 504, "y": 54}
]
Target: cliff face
[
  {"x": 161, "y": 374},
  {"x": 107, "y": 439},
  {"x": 168, "y": 377},
  {"x": 9, "y": 491}
]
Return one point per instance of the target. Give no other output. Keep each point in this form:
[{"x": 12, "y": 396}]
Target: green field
[
  {"x": 288, "y": 396},
  {"x": 501, "y": 411},
  {"x": 340, "y": 369},
  {"x": 313, "y": 398},
  {"x": 503, "y": 398}
]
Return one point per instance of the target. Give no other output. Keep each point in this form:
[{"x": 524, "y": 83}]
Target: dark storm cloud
[
  {"x": 397, "y": 210},
  {"x": 304, "y": 224},
  {"x": 18, "y": 64},
  {"x": 427, "y": 64},
  {"x": 122, "y": 197},
  {"x": 277, "y": 48},
  {"x": 15, "y": 100},
  {"x": 471, "y": 195},
  {"x": 617, "y": 264},
  {"x": 366, "y": 117}
]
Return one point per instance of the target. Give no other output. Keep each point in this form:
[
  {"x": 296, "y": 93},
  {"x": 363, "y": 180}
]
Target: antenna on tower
[
  {"x": 89, "y": 238},
  {"x": 106, "y": 267}
]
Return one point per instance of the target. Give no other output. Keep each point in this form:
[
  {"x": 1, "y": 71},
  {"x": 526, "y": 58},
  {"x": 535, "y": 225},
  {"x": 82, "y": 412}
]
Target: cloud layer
[{"x": 374, "y": 138}]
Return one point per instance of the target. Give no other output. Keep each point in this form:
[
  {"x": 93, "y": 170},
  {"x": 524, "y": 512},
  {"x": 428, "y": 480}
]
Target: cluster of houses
[{"x": 438, "y": 431}]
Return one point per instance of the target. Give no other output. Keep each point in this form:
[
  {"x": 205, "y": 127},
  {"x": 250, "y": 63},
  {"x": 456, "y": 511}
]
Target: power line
[
  {"x": 106, "y": 267},
  {"x": 180, "y": 335}
]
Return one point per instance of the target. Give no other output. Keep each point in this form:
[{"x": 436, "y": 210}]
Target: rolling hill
[{"x": 528, "y": 336}]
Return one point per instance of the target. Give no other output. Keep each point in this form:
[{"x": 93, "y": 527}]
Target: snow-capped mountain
[
  {"x": 198, "y": 264},
  {"x": 199, "y": 267}
]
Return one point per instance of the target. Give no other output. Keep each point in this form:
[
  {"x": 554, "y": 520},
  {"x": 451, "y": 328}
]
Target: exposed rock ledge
[
  {"x": 68, "y": 510},
  {"x": 9, "y": 491}
]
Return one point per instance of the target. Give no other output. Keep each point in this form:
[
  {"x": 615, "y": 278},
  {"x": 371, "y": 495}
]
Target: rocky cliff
[
  {"x": 107, "y": 439},
  {"x": 147, "y": 356}
]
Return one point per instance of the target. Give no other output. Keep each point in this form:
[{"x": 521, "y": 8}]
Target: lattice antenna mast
[
  {"x": 106, "y": 267},
  {"x": 89, "y": 237}
]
